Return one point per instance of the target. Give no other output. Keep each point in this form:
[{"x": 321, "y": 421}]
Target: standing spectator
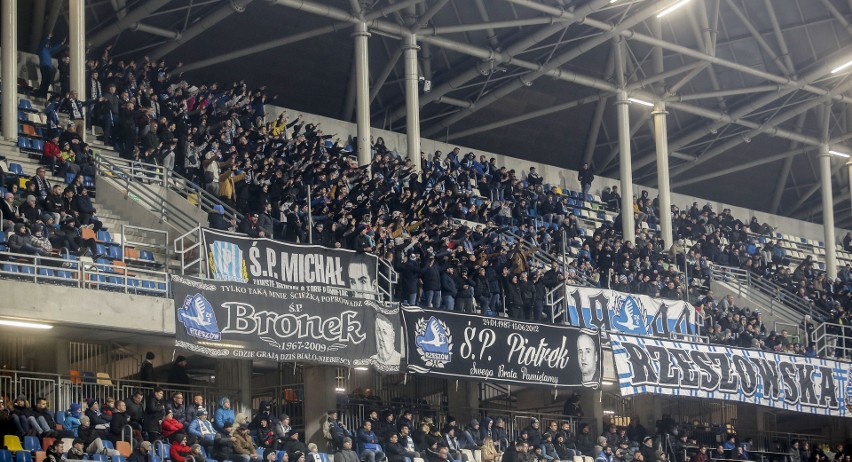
[
  {"x": 586, "y": 175},
  {"x": 45, "y": 63},
  {"x": 146, "y": 370}
]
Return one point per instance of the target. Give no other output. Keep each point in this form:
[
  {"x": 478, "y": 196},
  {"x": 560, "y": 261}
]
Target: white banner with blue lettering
[
  {"x": 628, "y": 314},
  {"x": 794, "y": 383}
]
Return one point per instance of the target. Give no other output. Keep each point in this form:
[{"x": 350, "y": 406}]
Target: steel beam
[
  {"x": 153, "y": 30},
  {"x": 233, "y": 6},
  {"x": 441, "y": 30},
  {"x": 527, "y": 116},
  {"x": 52, "y": 16},
  {"x": 786, "y": 155},
  {"x": 139, "y": 13},
  {"x": 553, "y": 64},
  {"x": 39, "y": 10},
  {"x": 386, "y": 72},
  {"x": 597, "y": 118},
  {"x": 779, "y": 37},
  {"x": 424, "y": 18},
  {"x": 724, "y": 93},
  {"x": 838, "y": 16},
  {"x": 77, "y": 45},
  {"x": 559, "y": 74},
  {"x": 9, "y": 69},
  {"x": 270, "y": 45},
  {"x": 785, "y": 169},
  {"x": 759, "y": 38},
  {"x": 686, "y": 51}
]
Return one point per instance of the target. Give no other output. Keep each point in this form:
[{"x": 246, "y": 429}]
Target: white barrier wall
[{"x": 559, "y": 176}]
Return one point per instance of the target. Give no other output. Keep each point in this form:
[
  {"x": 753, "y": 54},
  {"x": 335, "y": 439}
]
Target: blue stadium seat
[
  {"x": 69, "y": 177},
  {"x": 104, "y": 236},
  {"x": 118, "y": 458},
  {"x": 153, "y": 458},
  {"x": 114, "y": 252},
  {"x": 25, "y": 104},
  {"x": 23, "y": 456},
  {"x": 146, "y": 255},
  {"x": 60, "y": 415},
  {"x": 7, "y": 268},
  {"x": 5, "y": 455},
  {"x": 31, "y": 443},
  {"x": 108, "y": 444},
  {"x": 27, "y": 270},
  {"x": 37, "y": 145},
  {"x": 45, "y": 272},
  {"x": 323, "y": 457},
  {"x": 100, "y": 457},
  {"x": 16, "y": 168}
]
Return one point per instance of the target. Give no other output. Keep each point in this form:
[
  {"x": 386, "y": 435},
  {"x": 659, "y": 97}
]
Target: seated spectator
[
  {"x": 141, "y": 452},
  {"x": 369, "y": 443},
  {"x": 244, "y": 448},
  {"x": 170, "y": 425},
  {"x": 56, "y": 451},
  {"x": 345, "y": 452},
  {"x": 224, "y": 414},
  {"x": 202, "y": 429},
  {"x": 178, "y": 450},
  {"x": 293, "y": 445},
  {"x": 216, "y": 219}
]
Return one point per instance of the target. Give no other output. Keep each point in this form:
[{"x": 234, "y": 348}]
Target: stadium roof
[{"x": 746, "y": 80}]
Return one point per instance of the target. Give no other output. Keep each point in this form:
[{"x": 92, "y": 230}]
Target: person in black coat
[
  {"x": 408, "y": 269},
  {"x": 514, "y": 298},
  {"x": 155, "y": 411},
  {"x": 216, "y": 219},
  {"x": 431, "y": 277},
  {"x": 177, "y": 372},
  {"x": 395, "y": 451},
  {"x": 527, "y": 292}
]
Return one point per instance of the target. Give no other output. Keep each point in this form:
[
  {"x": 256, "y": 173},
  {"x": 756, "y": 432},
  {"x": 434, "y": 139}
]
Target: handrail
[
  {"x": 177, "y": 183},
  {"x": 134, "y": 182},
  {"x": 767, "y": 292},
  {"x": 831, "y": 340},
  {"x": 85, "y": 274}
]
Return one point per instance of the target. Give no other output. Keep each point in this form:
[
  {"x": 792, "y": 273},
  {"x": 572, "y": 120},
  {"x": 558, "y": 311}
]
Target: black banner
[
  {"x": 236, "y": 320},
  {"x": 499, "y": 349},
  {"x": 261, "y": 261}
]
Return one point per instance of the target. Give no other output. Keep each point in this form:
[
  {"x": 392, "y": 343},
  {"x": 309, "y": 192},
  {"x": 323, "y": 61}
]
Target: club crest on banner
[
  {"x": 629, "y": 317},
  {"x": 227, "y": 262},
  {"x": 434, "y": 342},
  {"x": 849, "y": 390},
  {"x": 198, "y": 318}
]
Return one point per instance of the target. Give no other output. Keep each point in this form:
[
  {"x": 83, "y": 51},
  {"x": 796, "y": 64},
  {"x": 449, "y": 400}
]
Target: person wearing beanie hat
[
  {"x": 177, "y": 374},
  {"x": 216, "y": 219},
  {"x": 345, "y": 453},
  {"x": 244, "y": 448},
  {"x": 470, "y": 437},
  {"x": 197, "y": 453},
  {"x": 92, "y": 438},
  {"x": 534, "y": 433},
  {"x": 179, "y": 449},
  {"x": 369, "y": 441},
  {"x": 93, "y": 412},
  {"x": 170, "y": 425},
  {"x": 281, "y": 429},
  {"x": 77, "y": 450},
  {"x": 202, "y": 429},
  {"x": 72, "y": 420},
  {"x": 146, "y": 370}
]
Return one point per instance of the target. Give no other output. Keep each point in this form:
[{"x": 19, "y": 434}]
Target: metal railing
[
  {"x": 833, "y": 340},
  {"x": 83, "y": 273},
  {"x": 61, "y": 390},
  {"x": 189, "y": 250},
  {"x": 284, "y": 399},
  {"x": 777, "y": 300},
  {"x": 195, "y": 194}
]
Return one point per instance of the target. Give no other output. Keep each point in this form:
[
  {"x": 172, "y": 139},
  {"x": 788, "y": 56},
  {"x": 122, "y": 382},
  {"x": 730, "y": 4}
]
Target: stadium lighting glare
[
  {"x": 607, "y": 383},
  {"x": 340, "y": 390},
  {"x": 608, "y": 412},
  {"x": 672, "y": 8},
  {"x": 838, "y": 153},
  {"x": 27, "y": 325},
  {"x": 640, "y": 101},
  {"x": 842, "y": 67},
  {"x": 362, "y": 368},
  {"x": 613, "y": 1}
]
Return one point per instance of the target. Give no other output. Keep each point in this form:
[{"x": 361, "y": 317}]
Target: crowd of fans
[
  {"x": 441, "y": 226},
  {"x": 193, "y": 430}
]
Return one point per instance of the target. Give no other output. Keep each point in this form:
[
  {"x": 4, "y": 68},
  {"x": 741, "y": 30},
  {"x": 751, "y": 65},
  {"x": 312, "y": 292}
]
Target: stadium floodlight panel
[
  {"x": 838, "y": 153},
  {"x": 641, "y": 101},
  {"x": 672, "y": 8},
  {"x": 24, "y": 324},
  {"x": 842, "y": 67}
]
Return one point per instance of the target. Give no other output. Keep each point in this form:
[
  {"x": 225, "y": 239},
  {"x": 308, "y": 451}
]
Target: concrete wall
[{"x": 87, "y": 308}]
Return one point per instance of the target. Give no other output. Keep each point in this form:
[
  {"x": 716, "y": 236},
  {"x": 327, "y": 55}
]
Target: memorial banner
[
  {"x": 503, "y": 350},
  {"x": 239, "y": 258},
  {"x": 794, "y": 383},
  {"x": 247, "y": 321},
  {"x": 628, "y": 314}
]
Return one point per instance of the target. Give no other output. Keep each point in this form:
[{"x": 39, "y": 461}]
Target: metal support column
[
  {"x": 849, "y": 174},
  {"x": 362, "y": 93},
  {"x": 412, "y": 99},
  {"x": 827, "y": 199},
  {"x": 10, "y": 68},
  {"x": 77, "y": 43},
  {"x": 625, "y": 161},
  {"x": 625, "y": 169},
  {"x": 661, "y": 137}
]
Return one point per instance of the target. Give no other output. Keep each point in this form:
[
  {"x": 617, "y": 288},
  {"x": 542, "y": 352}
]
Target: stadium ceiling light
[
  {"x": 672, "y": 8},
  {"x": 607, "y": 383},
  {"x": 640, "y": 101},
  {"x": 841, "y": 67},
  {"x": 340, "y": 390},
  {"x": 362, "y": 368},
  {"x": 27, "y": 325},
  {"x": 838, "y": 153}
]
